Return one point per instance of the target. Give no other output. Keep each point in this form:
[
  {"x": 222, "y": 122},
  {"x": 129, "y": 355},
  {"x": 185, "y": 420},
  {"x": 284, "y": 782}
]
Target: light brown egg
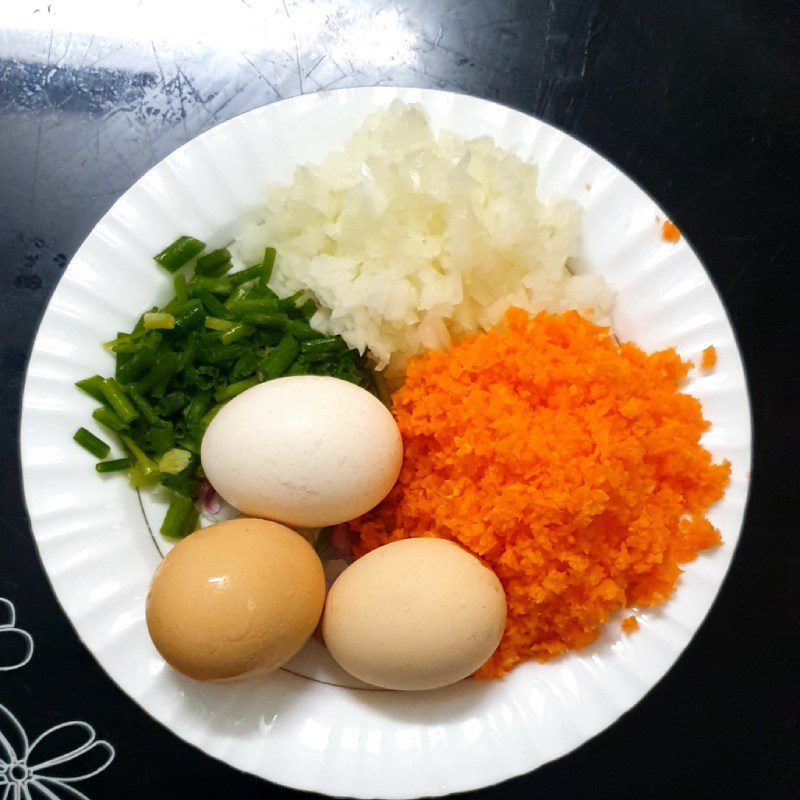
[
  {"x": 235, "y": 598},
  {"x": 414, "y": 614}
]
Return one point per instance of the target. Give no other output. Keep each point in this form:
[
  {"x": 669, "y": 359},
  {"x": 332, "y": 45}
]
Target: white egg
[{"x": 304, "y": 450}]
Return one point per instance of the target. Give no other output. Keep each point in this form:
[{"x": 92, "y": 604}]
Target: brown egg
[
  {"x": 235, "y": 598},
  {"x": 414, "y": 614}
]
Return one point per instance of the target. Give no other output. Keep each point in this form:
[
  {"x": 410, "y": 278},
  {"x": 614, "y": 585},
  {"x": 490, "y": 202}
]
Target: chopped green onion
[
  {"x": 180, "y": 519},
  {"x": 197, "y": 407},
  {"x": 238, "y": 331},
  {"x": 158, "y": 320},
  {"x": 105, "y": 416},
  {"x": 279, "y": 359},
  {"x": 238, "y": 308},
  {"x": 181, "y": 484},
  {"x": 213, "y": 264},
  {"x": 300, "y": 329},
  {"x": 229, "y": 392},
  {"x": 93, "y": 387},
  {"x": 327, "y": 345},
  {"x": 246, "y": 275},
  {"x": 308, "y": 309},
  {"x": 173, "y": 403},
  {"x": 144, "y": 408},
  {"x": 216, "y": 324},
  {"x": 118, "y": 400},
  {"x": 267, "y": 263},
  {"x": 88, "y": 441},
  {"x": 180, "y": 252},
  {"x": 381, "y": 388},
  {"x": 161, "y": 439},
  {"x": 179, "y": 286},
  {"x": 174, "y": 461},
  {"x": 215, "y": 285},
  {"x": 206, "y": 420},
  {"x": 115, "y": 465},
  {"x": 212, "y": 305},
  {"x": 144, "y": 472},
  {"x": 189, "y": 315},
  {"x": 135, "y": 366}
]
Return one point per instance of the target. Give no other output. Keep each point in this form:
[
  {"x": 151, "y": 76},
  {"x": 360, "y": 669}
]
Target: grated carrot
[
  {"x": 709, "y": 358},
  {"x": 670, "y": 232},
  {"x": 571, "y": 465},
  {"x": 630, "y": 625}
]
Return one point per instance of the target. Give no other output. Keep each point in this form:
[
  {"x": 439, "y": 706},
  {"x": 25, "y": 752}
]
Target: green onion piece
[
  {"x": 228, "y": 392},
  {"x": 290, "y": 303},
  {"x": 161, "y": 439},
  {"x": 212, "y": 305},
  {"x": 246, "y": 275},
  {"x": 189, "y": 315},
  {"x": 238, "y": 331},
  {"x": 135, "y": 366},
  {"x": 115, "y": 465},
  {"x": 213, "y": 264},
  {"x": 327, "y": 346},
  {"x": 164, "y": 367},
  {"x": 173, "y": 403},
  {"x": 158, "y": 320},
  {"x": 94, "y": 388},
  {"x": 118, "y": 401},
  {"x": 194, "y": 412},
  {"x": 213, "y": 285},
  {"x": 267, "y": 263},
  {"x": 179, "y": 518},
  {"x": 174, "y": 461},
  {"x": 144, "y": 408},
  {"x": 182, "y": 484},
  {"x": 144, "y": 472},
  {"x": 88, "y": 441},
  {"x": 381, "y": 388},
  {"x": 302, "y": 330},
  {"x": 179, "y": 286},
  {"x": 216, "y": 324},
  {"x": 279, "y": 359},
  {"x": 245, "y": 365},
  {"x": 180, "y": 252},
  {"x": 308, "y": 309},
  {"x": 299, "y": 367},
  {"x": 206, "y": 420},
  {"x": 238, "y": 308},
  {"x": 105, "y": 416}
]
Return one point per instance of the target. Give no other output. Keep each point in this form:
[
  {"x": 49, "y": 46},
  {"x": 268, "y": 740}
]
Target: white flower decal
[
  {"x": 16, "y": 645},
  {"x": 46, "y": 768}
]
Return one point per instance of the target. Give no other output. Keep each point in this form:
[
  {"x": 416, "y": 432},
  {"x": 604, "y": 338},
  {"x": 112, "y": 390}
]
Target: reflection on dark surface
[{"x": 696, "y": 100}]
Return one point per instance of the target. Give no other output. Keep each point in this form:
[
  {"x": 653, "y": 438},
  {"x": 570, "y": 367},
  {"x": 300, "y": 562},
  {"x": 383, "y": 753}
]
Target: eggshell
[
  {"x": 305, "y": 450},
  {"x": 235, "y": 598},
  {"x": 414, "y": 614}
]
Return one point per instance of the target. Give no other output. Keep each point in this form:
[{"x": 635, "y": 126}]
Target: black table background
[{"x": 696, "y": 101}]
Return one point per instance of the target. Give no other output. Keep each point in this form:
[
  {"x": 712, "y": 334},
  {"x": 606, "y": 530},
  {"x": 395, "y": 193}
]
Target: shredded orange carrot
[
  {"x": 709, "y": 358},
  {"x": 630, "y": 625},
  {"x": 670, "y": 232},
  {"x": 571, "y": 465}
]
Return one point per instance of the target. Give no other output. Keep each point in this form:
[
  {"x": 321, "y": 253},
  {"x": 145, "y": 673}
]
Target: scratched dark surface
[{"x": 697, "y": 101}]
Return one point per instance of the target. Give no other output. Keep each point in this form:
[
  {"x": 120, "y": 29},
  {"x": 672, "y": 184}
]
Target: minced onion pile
[{"x": 410, "y": 239}]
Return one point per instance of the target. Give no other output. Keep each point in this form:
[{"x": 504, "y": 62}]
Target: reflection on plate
[{"x": 309, "y": 734}]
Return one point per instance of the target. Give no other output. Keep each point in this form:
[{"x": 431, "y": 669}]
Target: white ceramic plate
[{"x": 304, "y": 733}]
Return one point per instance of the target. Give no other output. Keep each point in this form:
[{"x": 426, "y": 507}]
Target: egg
[
  {"x": 305, "y": 450},
  {"x": 234, "y": 599},
  {"x": 414, "y": 614}
]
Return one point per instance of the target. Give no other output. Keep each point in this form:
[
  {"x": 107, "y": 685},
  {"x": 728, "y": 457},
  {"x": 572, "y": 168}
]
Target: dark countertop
[{"x": 696, "y": 101}]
